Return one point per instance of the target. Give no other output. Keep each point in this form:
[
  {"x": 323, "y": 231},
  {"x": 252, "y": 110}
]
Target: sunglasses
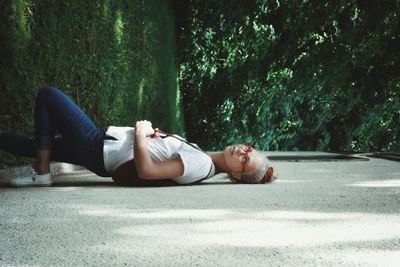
[{"x": 244, "y": 156}]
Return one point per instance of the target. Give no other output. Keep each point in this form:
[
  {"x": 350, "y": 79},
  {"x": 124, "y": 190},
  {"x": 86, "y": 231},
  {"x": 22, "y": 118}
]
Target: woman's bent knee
[{"x": 46, "y": 91}]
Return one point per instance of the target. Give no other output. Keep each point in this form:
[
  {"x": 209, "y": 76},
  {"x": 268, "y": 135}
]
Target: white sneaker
[{"x": 31, "y": 178}]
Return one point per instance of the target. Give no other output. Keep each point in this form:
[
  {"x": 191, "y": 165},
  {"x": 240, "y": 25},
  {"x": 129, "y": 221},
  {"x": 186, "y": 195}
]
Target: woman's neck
[{"x": 219, "y": 162}]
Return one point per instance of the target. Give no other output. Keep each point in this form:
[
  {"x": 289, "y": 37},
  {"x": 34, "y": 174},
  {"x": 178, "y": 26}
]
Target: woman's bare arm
[{"x": 146, "y": 168}]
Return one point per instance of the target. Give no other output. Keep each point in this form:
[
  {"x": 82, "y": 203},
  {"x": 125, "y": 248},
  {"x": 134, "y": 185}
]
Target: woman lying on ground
[{"x": 130, "y": 155}]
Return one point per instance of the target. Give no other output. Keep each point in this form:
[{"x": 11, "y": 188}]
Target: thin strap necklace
[{"x": 156, "y": 130}]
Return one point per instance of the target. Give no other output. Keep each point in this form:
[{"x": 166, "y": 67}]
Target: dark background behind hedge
[{"x": 290, "y": 75}]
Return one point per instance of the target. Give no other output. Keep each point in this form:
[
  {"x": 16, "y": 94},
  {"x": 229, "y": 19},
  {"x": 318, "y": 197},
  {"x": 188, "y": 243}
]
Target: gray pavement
[{"x": 327, "y": 213}]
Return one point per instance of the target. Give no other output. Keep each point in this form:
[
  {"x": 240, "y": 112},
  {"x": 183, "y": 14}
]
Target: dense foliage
[
  {"x": 116, "y": 59},
  {"x": 291, "y": 75}
]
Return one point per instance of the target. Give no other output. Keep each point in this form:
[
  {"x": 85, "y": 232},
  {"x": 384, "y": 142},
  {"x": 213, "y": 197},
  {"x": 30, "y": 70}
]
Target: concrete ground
[{"x": 319, "y": 213}]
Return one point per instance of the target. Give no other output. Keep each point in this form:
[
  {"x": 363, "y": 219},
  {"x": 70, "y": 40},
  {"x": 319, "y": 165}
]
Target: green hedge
[
  {"x": 116, "y": 59},
  {"x": 292, "y": 75}
]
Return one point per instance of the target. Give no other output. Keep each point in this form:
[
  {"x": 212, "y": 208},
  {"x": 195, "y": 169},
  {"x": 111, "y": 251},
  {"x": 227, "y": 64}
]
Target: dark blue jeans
[{"x": 78, "y": 142}]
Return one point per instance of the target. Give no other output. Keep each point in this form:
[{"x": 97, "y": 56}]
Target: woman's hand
[
  {"x": 144, "y": 128},
  {"x": 146, "y": 168}
]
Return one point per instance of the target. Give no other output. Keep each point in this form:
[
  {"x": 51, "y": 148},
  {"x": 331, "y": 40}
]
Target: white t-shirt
[{"x": 197, "y": 165}]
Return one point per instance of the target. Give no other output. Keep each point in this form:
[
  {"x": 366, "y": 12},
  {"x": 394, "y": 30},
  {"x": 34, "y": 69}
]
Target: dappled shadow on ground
[
  {"x": 105, "y": 233},
  {"x": 318, "y": 218},
  {"x": 271, "y": 235}
]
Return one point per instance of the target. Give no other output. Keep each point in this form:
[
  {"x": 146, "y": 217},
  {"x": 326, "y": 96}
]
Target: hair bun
[{"x": 268, "y": 175}]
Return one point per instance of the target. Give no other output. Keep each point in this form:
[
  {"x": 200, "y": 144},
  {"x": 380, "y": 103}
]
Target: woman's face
[{"x": 240, "y": 158}]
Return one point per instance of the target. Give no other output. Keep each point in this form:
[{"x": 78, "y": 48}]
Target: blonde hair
[{"x": 265, "y": 174}]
